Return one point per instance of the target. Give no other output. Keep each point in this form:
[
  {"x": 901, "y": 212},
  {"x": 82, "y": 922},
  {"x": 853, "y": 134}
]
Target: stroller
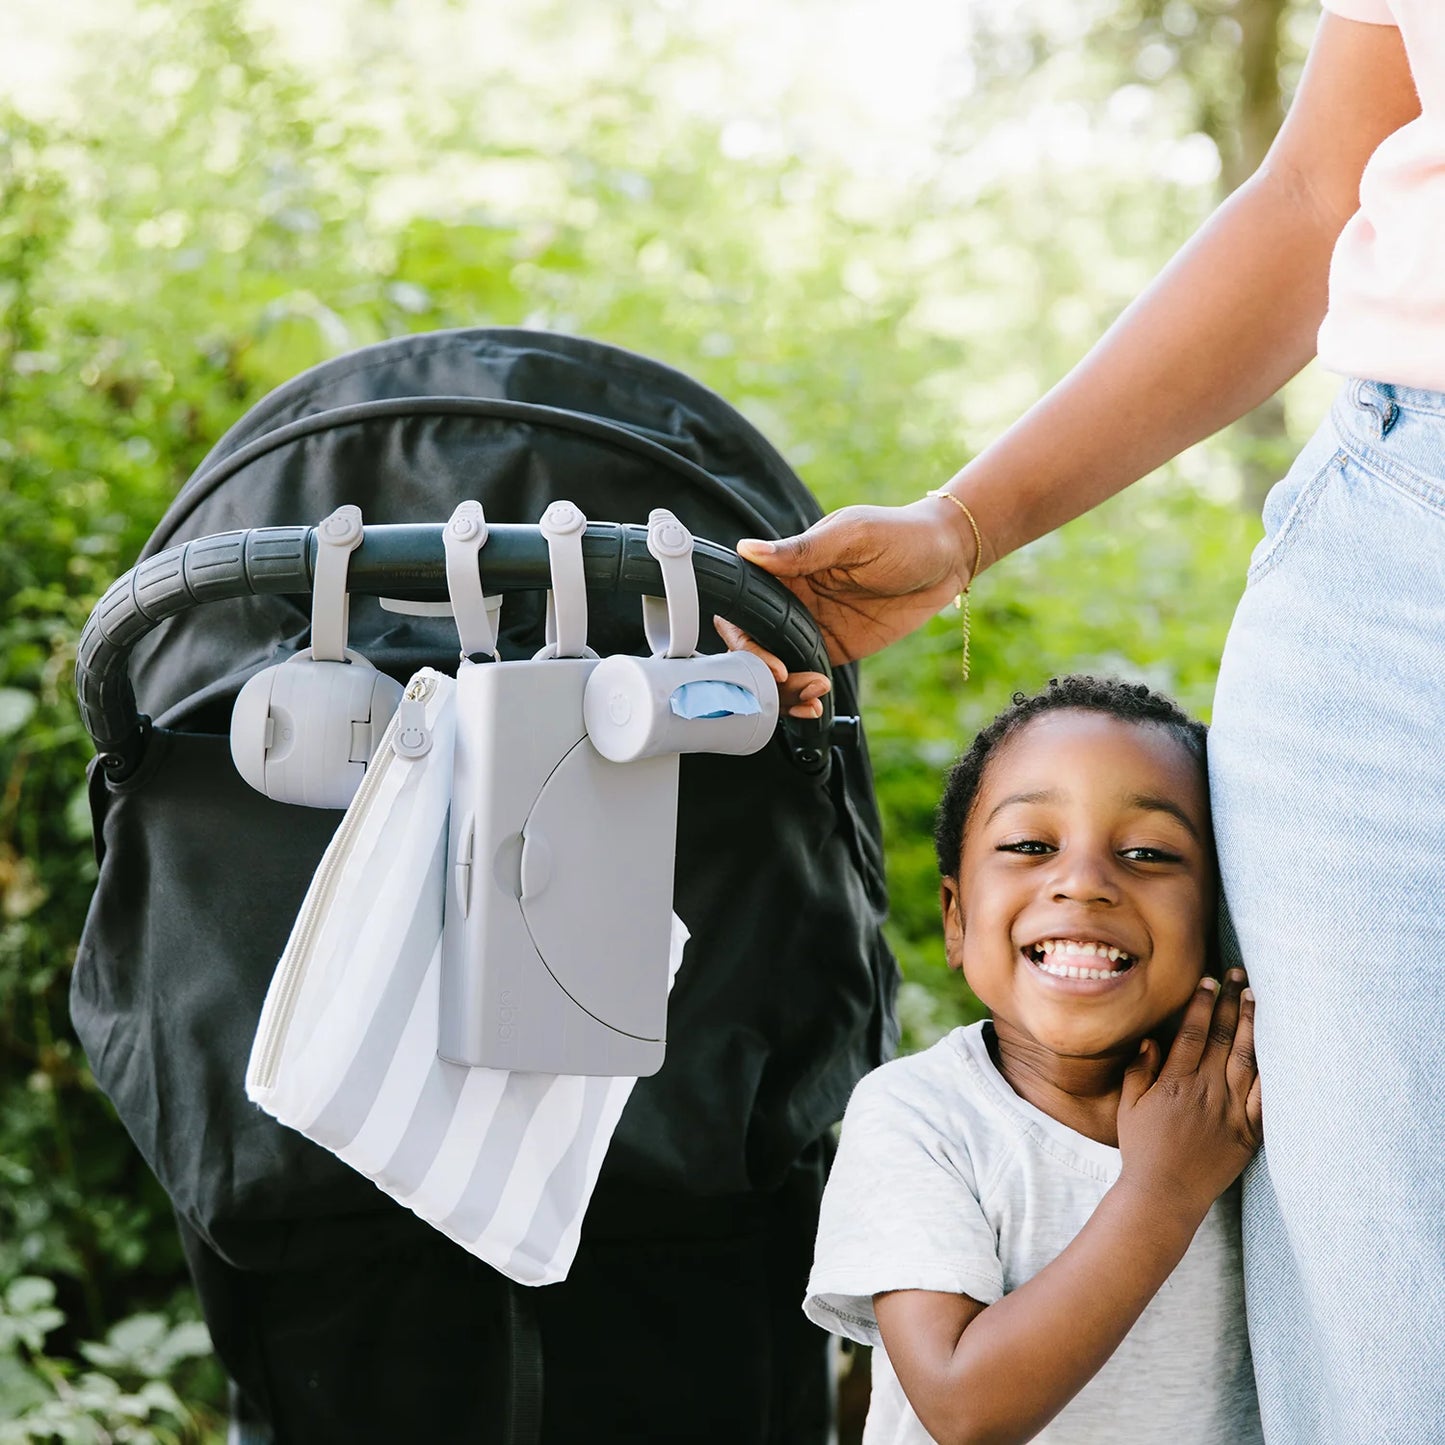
[{"x": 338, "y": 1315}]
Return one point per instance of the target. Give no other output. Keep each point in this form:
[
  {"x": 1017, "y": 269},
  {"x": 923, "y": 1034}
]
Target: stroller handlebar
[{"x": 408, "y": 562}]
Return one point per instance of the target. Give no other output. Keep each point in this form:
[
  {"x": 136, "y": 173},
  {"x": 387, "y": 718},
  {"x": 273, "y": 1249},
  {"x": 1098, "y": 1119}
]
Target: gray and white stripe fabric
[{"x": 346, "y": 1050}]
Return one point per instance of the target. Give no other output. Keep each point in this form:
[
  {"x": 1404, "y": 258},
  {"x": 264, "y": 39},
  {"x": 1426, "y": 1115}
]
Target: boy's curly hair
[{"x": 1129, "y": 701}]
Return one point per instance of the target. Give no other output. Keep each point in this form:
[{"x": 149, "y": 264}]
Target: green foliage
[
  {"x": 128, "y": 1396},
  {"x": 217, "y": 222}
]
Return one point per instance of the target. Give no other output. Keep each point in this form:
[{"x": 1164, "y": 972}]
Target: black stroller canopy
[
  {"x": 402, "y": 429},
  {"x": 652, "y": 402}
]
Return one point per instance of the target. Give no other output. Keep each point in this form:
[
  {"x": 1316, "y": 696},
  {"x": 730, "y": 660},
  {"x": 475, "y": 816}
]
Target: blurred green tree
[{"x": 1230, "y": 67}]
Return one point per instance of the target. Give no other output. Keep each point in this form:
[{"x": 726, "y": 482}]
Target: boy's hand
[
  {"x": 1187, "y": 1130},
  {"x": 798, "y": 692}
]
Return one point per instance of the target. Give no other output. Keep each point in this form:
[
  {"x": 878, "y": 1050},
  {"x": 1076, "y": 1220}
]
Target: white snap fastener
[
  {"x": 667, "y": 537},
  {"x": 562, "y": 517},
  {"x": 343, "y": 525}
]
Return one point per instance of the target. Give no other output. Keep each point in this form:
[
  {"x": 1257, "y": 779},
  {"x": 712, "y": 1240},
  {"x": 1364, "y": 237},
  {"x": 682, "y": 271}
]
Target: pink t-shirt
[{"x": 1386, "y": 318}]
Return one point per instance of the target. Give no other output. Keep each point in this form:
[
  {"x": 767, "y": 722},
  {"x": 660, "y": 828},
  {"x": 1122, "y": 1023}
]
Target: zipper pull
[{"x": 413, "y": 737}]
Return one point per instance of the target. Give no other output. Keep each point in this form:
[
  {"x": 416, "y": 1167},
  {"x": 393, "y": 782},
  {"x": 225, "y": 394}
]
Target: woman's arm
[
  {"x": 998, "y": 1375},
  {"x": 1226, "y": 324},
  {"x": 1230, "y": 320}
]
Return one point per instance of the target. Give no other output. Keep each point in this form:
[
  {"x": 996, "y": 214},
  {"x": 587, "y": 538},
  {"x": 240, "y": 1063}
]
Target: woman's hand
[
  {"x": 1187, "y": 1130},
  {"x": 870, "y": 575}
]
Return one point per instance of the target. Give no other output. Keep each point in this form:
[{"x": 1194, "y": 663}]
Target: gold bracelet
[{"x": 961, "y": 601}]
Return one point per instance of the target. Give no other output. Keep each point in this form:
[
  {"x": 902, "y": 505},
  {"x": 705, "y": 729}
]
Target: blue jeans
[{"x": 1327, "y": 772}]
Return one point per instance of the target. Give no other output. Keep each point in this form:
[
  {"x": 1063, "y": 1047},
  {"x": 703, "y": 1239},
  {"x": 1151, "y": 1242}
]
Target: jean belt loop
[{"x": 1370, "y": 397}]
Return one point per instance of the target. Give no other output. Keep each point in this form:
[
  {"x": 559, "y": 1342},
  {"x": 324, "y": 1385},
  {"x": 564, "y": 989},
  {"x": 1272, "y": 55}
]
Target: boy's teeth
[
  {"x": 1070, "y": 945},
  {"x": 1050, "y": 954},
  {"x": 1072, "y": 970}
]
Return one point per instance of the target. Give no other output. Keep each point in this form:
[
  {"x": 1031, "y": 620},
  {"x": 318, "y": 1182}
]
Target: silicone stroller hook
[
  {"x": 463, "y": 537},
  {"x": 305, "y": 730},
  {"x": 563, "y": 526},
  {"x": 671, "y": 623},
  {"x": 338, "y": 536}
]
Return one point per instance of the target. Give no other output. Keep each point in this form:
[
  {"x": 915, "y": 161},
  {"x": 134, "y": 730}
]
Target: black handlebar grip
[{"x": 409, "y": 562}]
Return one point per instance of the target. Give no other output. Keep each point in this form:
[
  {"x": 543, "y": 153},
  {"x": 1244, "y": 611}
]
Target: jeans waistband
[
  {"x": 1379, "y": 404},
  {"x": 1411, "y": 398},
  {"x": 1399, "y": 431}
]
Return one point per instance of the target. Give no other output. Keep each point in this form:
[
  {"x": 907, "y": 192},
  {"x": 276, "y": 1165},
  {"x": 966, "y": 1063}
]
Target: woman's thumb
[{"x": 787, "y": 557}]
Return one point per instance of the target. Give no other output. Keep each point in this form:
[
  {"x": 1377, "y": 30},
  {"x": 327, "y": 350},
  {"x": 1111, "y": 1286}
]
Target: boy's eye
[
  {"x": 1149, "y": 855},
  {"x": 1030, "y": 846}
]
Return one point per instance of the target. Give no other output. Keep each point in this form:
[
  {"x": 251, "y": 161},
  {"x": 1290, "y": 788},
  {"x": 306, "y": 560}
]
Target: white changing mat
[{"x": 346, "y": 1049}]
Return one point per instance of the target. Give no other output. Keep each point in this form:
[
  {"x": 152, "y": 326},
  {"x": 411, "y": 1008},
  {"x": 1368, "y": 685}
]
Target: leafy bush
[{"x": 128, "y": 1396}]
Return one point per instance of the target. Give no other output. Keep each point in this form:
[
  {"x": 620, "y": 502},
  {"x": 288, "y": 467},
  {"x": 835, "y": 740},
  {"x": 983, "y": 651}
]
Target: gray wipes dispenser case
[{"x": 562, "y": 833}]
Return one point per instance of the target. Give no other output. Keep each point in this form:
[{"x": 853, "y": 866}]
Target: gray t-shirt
[{"x": 947, "y": 1180}]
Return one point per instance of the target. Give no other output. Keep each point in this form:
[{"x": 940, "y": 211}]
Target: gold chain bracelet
[{"x": 961, "y": 601}]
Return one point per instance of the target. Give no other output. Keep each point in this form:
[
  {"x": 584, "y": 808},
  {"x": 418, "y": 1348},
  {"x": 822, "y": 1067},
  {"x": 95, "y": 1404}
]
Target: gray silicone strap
[
  {"x": 562, "y": 525},
  {"x": 463, "y": 537},
  {"x": 671, "y": 625},
  {"x": 338, "y": 536}
]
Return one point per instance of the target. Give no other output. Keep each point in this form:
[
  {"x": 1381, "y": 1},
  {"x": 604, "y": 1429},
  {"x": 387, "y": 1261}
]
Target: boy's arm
[
  {"x": 1000, "y": 1373},
  {"x": 1230, "y": 320}
]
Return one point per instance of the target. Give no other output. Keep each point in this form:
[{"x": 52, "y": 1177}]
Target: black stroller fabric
[{"x": 785, "y": 995}]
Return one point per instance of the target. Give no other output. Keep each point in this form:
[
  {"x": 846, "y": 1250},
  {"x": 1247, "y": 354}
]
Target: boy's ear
[{"x": 952, "y": 907}]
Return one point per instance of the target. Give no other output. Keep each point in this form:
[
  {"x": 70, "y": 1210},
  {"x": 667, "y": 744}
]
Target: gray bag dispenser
[{"x": 564, "y": 812}]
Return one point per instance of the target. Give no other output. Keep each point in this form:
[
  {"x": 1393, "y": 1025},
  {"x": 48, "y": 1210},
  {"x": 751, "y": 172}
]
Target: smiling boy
[{"x": 1033, "y": 1218}]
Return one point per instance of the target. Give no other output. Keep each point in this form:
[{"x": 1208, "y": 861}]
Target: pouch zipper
[{"x": 292, "y": 966}]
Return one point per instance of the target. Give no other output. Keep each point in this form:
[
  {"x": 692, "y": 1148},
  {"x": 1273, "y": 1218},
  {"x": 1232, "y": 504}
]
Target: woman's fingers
[
  {"x": 766, "y": 555},
  {"x": 799, "y": 693},
  {"x": 810, "y": 688},
  {"x": 738, "y": 641},
  {"x": 796, "y": 556},
  {"x": 866, "y": 552}
]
